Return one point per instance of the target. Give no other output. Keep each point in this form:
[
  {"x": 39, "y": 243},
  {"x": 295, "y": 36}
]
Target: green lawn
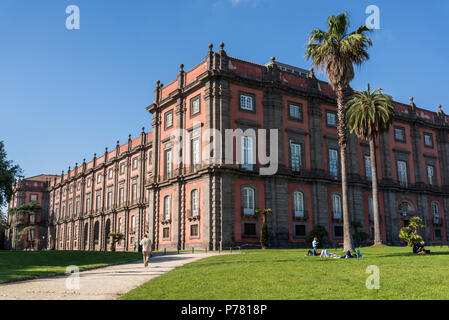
[
  {"x": 288, "y": 274},
  {"x": 21, "y": 264}
]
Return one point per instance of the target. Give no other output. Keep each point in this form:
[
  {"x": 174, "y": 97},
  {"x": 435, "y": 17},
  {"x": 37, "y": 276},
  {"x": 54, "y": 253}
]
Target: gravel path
[{"x": 106, "y": 283}]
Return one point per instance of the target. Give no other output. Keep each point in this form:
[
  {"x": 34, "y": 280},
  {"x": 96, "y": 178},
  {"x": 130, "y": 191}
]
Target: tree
[
  {"x": 336, "y": 51},
  {"x": 115, "y": 238},
  {"x": 368, "y": 114},
  {"x": 358, "y": 236},
  {"x": 410, "y": 234},
  {"x": 264, "y": 232},
  {"x": 9, "y": 172}
]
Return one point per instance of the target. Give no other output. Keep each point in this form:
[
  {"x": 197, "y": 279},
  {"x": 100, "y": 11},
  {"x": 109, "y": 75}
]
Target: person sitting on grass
[{"x": 315, "y": 247}]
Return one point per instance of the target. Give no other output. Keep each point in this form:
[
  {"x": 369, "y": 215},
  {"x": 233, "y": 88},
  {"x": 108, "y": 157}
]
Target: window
[
  {"x": 121, "y": 195},
  {"x": 196, "y": 151},
  {"x": 333, "y": 169},
  {"x": 122, "y": 168},
  {"x": 437, "y": 234},
  {"x": 167, "y": 207},
  {"x": 295, "y": 150},
  {"x": 98, "y": 201},
  {"x": 195, "y": 202},
  {"x": 246, "y": 102},
  {"x": 428, "y": 141},
  {"x": 88, "y": 203},
  {"x": 71, "y": 188},
  {"x": 98, "y": 178},
  {"x": 436, "y": 212},
  {"x": 119, "y": 229},
  {"x": 430, "y": 174},
  {"x": 331, "y": 119},
  {"x": 338, "y": 231},
  {"x": 70, "y": 209},
  {"x": 298, "y": 204},
  {"x": 368, "y": 172},
  {"x": 300, "y": 230},
  {"x": 135, "y": 162},
  {"x": 399, "y": 134},
  {"x": 168, "y": 163},
  {"x": 247, "y": 153},
  {"x": 168, "y": 119},
  {"x": 295, "y": 112},
  {"x": 109, "y": 199},
  {"x": 111, "y": 173},
  {"x": 248, "y": 202},
  {"x": 249, "y": 229},
  {"x": 134, "y": 192},
  {"x": 195, "y": 107},
  {"x": 133, "y": 223},
  {"x": 150, "y": 158},
  {"x": 34, "y": 197},
  {"x": 370, "y": 208},
  {"x": 166, "y": 233},
  {"x": 77, "y": 207},
  {"x": 89, "y": 182},
  {"x": 78, "y": 187},
  {"x": 194, "y": 230},
  {"x": 63, "y": 211},
  {"x": 402, "y": 173},
  {"x": 336, "y": 206}
]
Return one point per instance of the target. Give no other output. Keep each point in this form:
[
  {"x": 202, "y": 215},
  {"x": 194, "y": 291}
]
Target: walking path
[{"x": 106, "y": 283}]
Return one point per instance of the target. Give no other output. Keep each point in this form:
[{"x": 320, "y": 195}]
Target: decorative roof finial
[
  {"x": 84, "y": 160},
  {"x": 273, "y": 59},
  {"x": 129, "y": 136},
  {"x": 106, "y": 150},
  {"x": 412, "y": 104},
  {"x": 95, "y": 155},
  {"x": 311, "y": 73},
  {"x": 440, "y": 110},
  {"x": 222, "y": 46},
  {"x": 158, "y": 82},
  {"x": 211, "y": 47},
  {"x": 118, "y": 143},
  {"x": 181, "y": 66},
  {"x": 143, "y": 129}
]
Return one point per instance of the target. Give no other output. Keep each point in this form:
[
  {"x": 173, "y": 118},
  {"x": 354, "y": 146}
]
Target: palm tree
[
  {"x": 336, "y": 51},
  {"x": 368, "y": 114}
]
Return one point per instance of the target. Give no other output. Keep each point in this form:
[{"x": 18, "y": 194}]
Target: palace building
[{"x": 160, "y": 184}]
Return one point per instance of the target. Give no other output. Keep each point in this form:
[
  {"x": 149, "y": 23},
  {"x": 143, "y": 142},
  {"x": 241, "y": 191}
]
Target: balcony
[
  {"x": 193, "y": 215},
  {"x": 300, "y": 215}
]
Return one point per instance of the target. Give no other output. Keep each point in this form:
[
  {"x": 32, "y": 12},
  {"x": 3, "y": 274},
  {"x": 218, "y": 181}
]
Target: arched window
[
  {"x": 298, "y": 204},
  {"x": 336, "y": 206},
  {"x": 248, "y": 202},
  {"x": 167, "y": 207},
  {"x": 195, "y": 202},
  {"x": 119, "y": 229},
  {"x": 405, "y": 208},
  {"x": 133, "y": 223},
  {"x": 436, "y": 212}
]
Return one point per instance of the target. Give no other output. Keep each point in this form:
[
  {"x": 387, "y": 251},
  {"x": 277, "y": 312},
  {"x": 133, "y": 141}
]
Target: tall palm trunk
[
  {"x": 377, "y": 233},
  {"x": 342, "y": 141}
]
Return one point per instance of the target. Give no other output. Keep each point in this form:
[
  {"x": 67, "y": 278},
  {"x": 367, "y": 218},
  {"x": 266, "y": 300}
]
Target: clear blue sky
[{"x": 67, "y": 94}]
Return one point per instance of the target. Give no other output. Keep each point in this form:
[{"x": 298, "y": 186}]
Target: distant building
[
  {"x": 138, "y": 187},
  {"x": 26, "y": 191}
]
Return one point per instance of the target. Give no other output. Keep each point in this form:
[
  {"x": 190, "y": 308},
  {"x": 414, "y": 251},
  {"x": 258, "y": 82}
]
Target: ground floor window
[
  {"x": 437, "y": 234},
  {"x": 166, "y": 233},
  {"x": 338, "y": 231},
  {"x": 249, "y": 229},
  {"x": 194, "y": 231},
  {"x": 300, "y": 230}
]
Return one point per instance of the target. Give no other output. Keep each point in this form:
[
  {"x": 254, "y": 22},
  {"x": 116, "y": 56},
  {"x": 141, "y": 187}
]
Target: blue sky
[{"x": 67, "y": 94}]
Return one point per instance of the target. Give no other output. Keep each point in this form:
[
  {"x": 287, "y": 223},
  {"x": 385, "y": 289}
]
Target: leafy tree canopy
[
  {"x": 9, "y": 173},
  {"x": 26, "y": 209}
]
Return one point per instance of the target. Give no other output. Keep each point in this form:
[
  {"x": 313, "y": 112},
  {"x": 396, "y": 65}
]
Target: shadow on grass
[{"x": 411, "y": 254}]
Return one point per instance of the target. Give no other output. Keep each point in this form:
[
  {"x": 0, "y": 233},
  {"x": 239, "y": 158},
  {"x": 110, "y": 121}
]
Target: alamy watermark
[
  {"x": 373, "y": 281},
  {"x": 373, "y": 20},
  {"x": 73, "y": 20},
  {"x": 73, "y": 278}
]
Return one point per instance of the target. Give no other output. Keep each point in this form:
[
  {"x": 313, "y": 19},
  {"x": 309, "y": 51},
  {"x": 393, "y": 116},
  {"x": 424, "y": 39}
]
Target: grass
[
  {"x": 289, "y": 275},
  {"x": 15, "y": 265}
]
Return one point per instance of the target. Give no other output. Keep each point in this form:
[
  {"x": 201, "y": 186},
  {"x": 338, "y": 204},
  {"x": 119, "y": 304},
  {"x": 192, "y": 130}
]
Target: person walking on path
[{"x": 146, "y": 249}]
